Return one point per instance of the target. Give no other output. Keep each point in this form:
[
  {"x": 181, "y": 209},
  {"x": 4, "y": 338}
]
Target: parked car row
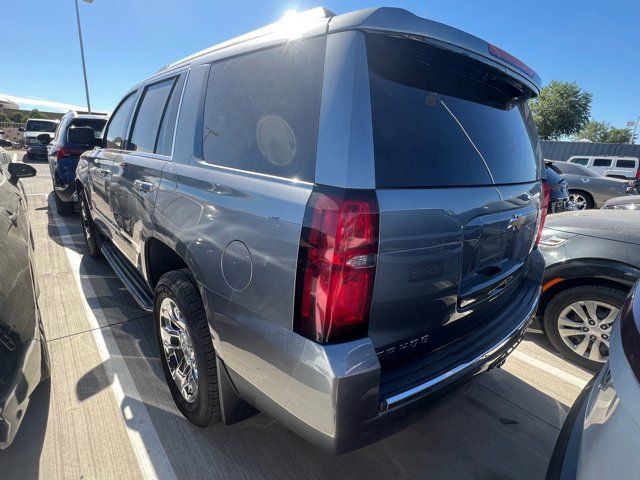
[{"x": 291, "y": 261}]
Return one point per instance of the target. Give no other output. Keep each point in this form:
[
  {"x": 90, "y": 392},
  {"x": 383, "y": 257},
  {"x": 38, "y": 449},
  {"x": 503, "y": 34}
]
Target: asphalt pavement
[{"x": 107, "y": 412}]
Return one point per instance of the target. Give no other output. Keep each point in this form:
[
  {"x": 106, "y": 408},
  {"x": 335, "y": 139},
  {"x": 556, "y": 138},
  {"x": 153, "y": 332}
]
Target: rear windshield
[
  {"x": 40, "y": 126},
  {"x": 96, "y": 123},
  {"x": 441, "y": 119}
]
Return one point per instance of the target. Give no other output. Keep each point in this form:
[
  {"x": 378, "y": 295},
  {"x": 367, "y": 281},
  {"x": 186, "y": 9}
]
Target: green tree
[
  {"x": 35, "y": 113},
  {"x": 18, "y": 117},
  {"x": 602, "y": 132},
  {"x": 619, "y": 135},
  {"x": 562, "y": 109},
  {"x": 4, "y": 117}
]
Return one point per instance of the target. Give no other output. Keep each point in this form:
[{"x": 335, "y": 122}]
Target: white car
[
  {"x": 610, "y": 166},
  {"x": 33, "y": 128},
  {"x": 600, "y": 438}
]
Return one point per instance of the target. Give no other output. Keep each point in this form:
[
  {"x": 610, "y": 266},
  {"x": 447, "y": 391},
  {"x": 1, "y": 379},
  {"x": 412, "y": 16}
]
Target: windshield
[
  {"x": 41, "y": 126},
  {"x": 442, "y": 119}
]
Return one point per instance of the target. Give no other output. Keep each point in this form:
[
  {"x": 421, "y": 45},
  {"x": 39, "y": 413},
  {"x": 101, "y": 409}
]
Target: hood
[{"x": 619, "y": 225}]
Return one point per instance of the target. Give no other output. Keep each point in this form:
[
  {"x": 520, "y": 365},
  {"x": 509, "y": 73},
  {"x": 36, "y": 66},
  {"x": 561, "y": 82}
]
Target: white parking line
[
  {"x": 143, "y": 437},
  {"x": 550, "y": 369},
  {"x": 14, "y": 158}
]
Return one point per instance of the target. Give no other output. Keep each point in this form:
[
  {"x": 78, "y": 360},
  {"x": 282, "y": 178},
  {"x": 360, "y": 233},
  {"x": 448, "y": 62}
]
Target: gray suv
[{"x": 333, "y": 219}]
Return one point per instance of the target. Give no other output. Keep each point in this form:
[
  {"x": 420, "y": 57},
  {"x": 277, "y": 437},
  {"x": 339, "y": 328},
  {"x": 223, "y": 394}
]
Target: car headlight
[
  {"x": 554, "y": 238},
  {"x": 625, "y": 206}
]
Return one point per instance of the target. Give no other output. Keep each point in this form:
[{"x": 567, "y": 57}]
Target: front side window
[
  {"x": 117, "y": 127},
  {"x": 602, "y": 162},
  {"x": 147, "y": 121},
  {"x": 262, "y": 110},
  {"x": 626, "y": 164},
  {"x": 579, "y": 161}
]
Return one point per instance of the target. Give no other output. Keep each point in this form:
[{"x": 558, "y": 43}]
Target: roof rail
[{"x": 292, "y": 23}]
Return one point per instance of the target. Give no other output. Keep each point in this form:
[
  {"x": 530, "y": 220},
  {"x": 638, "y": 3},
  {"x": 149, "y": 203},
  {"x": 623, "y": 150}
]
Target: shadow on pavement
[{"x": 21, "y": 461}]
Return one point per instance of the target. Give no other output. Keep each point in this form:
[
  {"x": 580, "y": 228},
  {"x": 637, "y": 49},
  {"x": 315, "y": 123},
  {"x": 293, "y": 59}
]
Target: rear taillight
[
  {"x": 336, "y": 265},
  {"x": 638, "y": 174},
  {"x": 544, "y": 208},
  {"x": 511, "y": 60},
  {"x": 630, "y": 330},
  {"x": 67, "y": 152}
]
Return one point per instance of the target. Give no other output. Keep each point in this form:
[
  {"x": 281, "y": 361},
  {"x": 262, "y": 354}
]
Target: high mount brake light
[
  {"x": 511, "y": 60},
  {"x": 544, "y": 207},
  {"x": 336, "y": 265}
]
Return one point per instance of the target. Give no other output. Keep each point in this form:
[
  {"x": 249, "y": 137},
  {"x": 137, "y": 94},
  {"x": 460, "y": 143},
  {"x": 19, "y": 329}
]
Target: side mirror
[
  {"x": 44, "y": 138},
  {"x": 20, "y": 129},
  {"x": 20, "y": 170},
  {"x": 82, "y": 135}
]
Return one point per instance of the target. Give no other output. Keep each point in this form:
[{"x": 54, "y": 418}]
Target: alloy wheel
[
  {"x": 585, "y": 327},
  {"x": 178, "y": 350},
  {"x": 578, "y": 201}
]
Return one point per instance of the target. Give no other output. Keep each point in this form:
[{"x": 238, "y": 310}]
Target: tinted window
[
  {"x": 167, "y": 128},
  {"x": 96, "y": 123},
  {"x": 570, "y": 169},
  {"x": 262, "y": 109},
  {"x": 149, "y": 115},
  {"x": 40, "y": 126},
  {"x": 602, "y": 162},
  {"x": 116, "y": 130},
  {"x": 626, "y": 164},
  {"x": 579, "y": 161},
  {"x": 441, "y": 119}
]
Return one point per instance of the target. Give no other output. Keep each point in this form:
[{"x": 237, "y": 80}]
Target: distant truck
[{"x": 33, "y": 128}]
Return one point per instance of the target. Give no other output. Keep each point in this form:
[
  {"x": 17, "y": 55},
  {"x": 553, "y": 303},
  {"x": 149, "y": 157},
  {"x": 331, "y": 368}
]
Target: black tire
[
  {"x": 562, "y": 300},
  {"x": 180, "y": 287},
  {"x": 64, "y": 208},
  {"x": 589, "y": 203},
  {"x": 89, "y": 229}
]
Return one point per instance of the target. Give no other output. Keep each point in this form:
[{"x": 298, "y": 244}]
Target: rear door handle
[{"x": 143, "y": 187}]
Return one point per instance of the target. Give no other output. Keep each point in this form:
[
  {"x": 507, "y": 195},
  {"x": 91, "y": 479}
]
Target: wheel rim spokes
[
  {"x": 178, "y": 350},
  {"x": 584, "y": 326}
]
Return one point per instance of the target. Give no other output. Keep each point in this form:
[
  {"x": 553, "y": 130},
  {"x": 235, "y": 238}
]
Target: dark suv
[
  {"x": 64, "y": 153},
  {"x": 333, "y": 219}
]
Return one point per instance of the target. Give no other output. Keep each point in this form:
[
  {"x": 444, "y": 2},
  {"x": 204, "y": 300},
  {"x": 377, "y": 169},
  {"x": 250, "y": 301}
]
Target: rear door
[
  {"x": 457, "y": 169},
  {"x": 101, "y": 163},
  {"x": 135, "y": 177}
]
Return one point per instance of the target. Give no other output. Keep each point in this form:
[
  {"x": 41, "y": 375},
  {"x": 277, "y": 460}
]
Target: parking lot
[{"x": 107, "y": 412}]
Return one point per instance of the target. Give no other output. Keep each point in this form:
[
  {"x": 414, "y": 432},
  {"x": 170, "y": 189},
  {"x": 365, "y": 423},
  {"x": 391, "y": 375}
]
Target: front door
[{"x": 136, "y": 174}]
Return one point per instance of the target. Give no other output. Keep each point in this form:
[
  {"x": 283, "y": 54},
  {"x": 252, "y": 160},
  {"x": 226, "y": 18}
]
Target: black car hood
[{"x": 620, "y": 225}]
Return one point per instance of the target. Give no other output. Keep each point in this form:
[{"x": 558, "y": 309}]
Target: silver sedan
[{"x": 589, "y": 189}]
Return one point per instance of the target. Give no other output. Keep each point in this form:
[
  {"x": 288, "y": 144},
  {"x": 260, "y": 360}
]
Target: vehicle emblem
[{"x": 516, "y": 222}]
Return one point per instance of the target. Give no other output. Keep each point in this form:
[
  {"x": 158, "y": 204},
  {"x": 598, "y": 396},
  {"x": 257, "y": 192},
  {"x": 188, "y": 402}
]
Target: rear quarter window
[
  {"x": 626, "y": 163},
  {"x": 602, "y": 162},
  {"x": 262, "y": 110},
  {"x": 437, "y": 120}
]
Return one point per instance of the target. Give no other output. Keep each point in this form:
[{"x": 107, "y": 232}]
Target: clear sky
[{"x": 595, "y": 43}]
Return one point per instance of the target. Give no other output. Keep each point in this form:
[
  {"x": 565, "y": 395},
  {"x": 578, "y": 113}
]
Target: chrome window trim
[{"x": 258, "y": 174}]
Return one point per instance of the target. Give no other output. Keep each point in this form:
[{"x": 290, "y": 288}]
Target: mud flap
[{"x": 233, "y": 408}]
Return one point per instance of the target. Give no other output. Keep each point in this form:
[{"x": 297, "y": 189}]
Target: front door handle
[{"x": 142, "y": 187}]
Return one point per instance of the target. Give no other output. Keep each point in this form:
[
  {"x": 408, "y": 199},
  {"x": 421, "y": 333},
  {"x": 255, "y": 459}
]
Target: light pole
[
  {"x": 635, "y": 127},
  {"x": 84, "y": 68}
]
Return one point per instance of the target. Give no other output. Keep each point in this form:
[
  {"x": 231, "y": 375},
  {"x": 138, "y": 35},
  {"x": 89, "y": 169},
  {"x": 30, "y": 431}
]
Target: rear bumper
[
  {"x": 334, "y": 395},
  {"x": 67, "y": 193},
  {"x": 37, "y": 150}
]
